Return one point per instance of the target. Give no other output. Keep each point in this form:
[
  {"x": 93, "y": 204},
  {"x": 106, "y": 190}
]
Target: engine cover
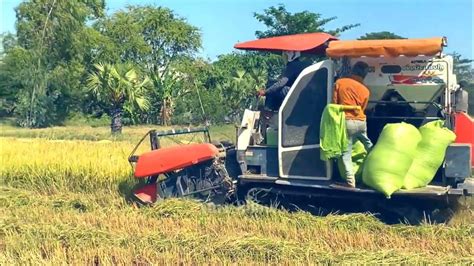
[{"x": 173, "y": 158}]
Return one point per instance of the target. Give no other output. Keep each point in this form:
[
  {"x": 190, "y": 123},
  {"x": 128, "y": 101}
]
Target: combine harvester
[{"x": 410, "y": 80}]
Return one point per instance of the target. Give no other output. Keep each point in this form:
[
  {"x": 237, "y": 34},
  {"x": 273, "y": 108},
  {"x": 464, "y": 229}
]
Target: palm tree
[{"x": 118, "y": 85}]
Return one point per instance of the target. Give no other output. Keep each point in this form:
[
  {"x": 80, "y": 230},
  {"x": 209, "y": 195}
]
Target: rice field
[
  {"x": 130, "y": 134},
  {"x": 63, "y": 201}
]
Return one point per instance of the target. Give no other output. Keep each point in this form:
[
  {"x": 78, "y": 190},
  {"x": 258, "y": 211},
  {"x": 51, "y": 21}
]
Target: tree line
[{"x": 138, "y": 65}]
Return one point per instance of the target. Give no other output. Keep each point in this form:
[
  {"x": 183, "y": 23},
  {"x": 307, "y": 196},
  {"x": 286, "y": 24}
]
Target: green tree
[
  {"x": 465, "y": 72},
  {"x": 279, "y": 22},
  {"x": 233, "y": 82},
  {"x": 159, "y": 41},
  {"x": 123, "y": 39},
  {"x": 220, "y": 91},
  {"x": 381, "y": 35},
  {"x": 50, "y": 43},
  {"x": 121, "y": 87},
  {"x": 8, "y": 42},
  {"x": 8, "y": 69},
  {"x": 169, "y": 87},
  {"x": 238, "y": 92},
  {"x": 463, "y": 68},
  {"x": 19, "y": 75}
]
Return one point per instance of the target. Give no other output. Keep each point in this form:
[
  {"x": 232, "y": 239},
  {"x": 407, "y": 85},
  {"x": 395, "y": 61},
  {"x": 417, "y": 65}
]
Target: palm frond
[{"x": 142, "y": 103}]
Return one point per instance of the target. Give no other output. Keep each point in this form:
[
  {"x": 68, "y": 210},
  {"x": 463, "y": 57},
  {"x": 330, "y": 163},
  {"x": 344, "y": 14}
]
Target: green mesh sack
[
  {"x": 388, "y": 162},
  {"x": 429, "y": 156},
  {"x": 358, "y": 156}
]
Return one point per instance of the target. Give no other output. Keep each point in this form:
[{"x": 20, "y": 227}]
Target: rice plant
[{"x": 62, "y": 202}]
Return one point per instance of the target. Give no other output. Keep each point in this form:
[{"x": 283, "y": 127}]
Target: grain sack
[
  {"x": 358, "y": 156},
  {"x": 429, "y": 156},
  {"x": 388, "y": 162}
]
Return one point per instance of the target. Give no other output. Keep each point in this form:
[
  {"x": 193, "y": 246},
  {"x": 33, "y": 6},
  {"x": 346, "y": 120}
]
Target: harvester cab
[{"x": 410, "y": 81}]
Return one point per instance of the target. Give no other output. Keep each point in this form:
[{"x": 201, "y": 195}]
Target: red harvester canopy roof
[
  {"x": 306, "y": 42},
  {"x": 389, "y": 48}
]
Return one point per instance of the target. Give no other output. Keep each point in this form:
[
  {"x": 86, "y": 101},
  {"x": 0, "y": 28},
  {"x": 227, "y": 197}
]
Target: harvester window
[
  {"x": 302, "y": 112},
  {"x": 391, "y": 69}
]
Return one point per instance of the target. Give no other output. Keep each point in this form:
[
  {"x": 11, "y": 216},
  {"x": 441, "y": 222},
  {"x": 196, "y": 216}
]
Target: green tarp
[
  {"x": 390, "y": 159},
  {"x": 429, "y": 156},
  {"x": 333, "y": 136}
]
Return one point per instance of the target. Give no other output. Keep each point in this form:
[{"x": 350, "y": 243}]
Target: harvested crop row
[{"x": 82, "y": 227}]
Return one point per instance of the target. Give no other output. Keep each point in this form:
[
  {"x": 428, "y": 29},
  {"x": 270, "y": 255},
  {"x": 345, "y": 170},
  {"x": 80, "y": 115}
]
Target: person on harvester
[
  {"x": 351, "y": 91},
  {"x": 276, "y": 93}
]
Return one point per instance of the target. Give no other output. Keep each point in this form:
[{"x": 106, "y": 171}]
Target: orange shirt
[{"x": 351, "y": 91}]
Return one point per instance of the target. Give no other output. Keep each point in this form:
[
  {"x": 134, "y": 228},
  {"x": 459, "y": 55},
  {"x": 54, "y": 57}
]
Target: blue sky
[{"x": 225, "y": 22}]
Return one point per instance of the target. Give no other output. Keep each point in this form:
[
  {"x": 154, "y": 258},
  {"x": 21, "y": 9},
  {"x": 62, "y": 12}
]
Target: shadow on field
[
  {"x": 394, "y": 211},
  {"x": 390, "y": 211}
]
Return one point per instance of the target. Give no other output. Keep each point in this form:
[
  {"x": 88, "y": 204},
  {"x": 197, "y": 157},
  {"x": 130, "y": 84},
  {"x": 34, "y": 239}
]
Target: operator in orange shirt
[{"x": 351, "y": 91}]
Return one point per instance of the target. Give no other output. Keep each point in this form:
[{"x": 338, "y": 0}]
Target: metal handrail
[{"x": 155, "y": 144}]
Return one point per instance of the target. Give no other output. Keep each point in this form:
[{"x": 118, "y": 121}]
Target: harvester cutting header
[{"x": 411, "y": 83}]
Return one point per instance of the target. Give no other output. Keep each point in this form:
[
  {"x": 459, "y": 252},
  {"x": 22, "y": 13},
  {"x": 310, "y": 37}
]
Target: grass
[{"x": 62, "y": 202}]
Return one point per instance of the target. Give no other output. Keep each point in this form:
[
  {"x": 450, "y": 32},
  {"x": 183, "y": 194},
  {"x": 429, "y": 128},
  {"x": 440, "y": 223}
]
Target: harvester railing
[{"x": 155, "y": 141}]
